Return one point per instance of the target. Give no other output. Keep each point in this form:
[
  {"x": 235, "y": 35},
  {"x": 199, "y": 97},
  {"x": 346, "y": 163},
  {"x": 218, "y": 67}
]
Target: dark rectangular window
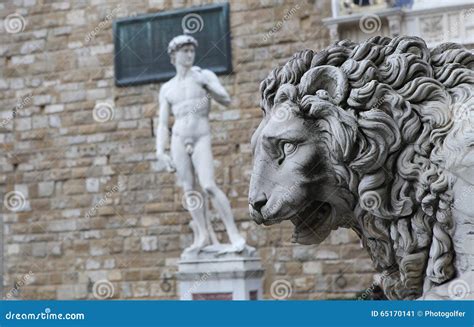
[{"x": 141, "y": 43}]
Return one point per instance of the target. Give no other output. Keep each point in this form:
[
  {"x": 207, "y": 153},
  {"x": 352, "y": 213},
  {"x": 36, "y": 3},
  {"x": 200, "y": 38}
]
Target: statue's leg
[
  {"x": 185, "y": 174},
  {"x": 203, "y": 164}
]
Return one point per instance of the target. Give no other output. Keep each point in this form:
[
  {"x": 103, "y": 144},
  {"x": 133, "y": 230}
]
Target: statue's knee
[
  {"x": 210, "y": 189},
  {"x": 187, "y": 187}
]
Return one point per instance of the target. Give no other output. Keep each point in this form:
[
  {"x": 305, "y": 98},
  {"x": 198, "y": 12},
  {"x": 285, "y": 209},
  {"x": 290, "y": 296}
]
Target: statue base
[{"x": 228, "y": 276}]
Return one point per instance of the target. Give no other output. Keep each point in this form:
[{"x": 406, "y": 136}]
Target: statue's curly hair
[{"x": 390, "y": 131}]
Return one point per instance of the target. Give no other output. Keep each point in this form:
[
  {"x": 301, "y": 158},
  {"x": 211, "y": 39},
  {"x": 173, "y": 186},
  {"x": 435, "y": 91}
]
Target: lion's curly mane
[{"x": 389, "y": 144}]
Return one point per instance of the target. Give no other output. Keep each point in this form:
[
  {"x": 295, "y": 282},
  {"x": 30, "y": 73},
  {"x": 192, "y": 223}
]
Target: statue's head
[
  {"x": 356, "y": 136},
  {"x": 181, "y": 50}
]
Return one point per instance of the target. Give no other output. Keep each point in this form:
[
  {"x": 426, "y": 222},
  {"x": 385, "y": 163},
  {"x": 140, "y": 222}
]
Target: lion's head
[{"x": 353, "y": 137}]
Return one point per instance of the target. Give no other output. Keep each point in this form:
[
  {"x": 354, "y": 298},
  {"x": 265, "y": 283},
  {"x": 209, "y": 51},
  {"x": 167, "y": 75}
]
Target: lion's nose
[{"x": 258, "y": 204}]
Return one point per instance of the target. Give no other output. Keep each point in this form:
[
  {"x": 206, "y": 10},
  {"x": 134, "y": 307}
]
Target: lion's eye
[
  {"x": 289, "y": 148},
  {"x": 286, "y": 149}
]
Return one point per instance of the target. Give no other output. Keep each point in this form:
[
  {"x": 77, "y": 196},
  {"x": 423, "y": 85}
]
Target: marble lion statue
[{"x": 376, "y": 137}]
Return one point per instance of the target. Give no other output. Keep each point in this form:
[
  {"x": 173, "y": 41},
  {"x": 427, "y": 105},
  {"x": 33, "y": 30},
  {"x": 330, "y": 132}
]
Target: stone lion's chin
[
  {"x": 276, "y": 217},
  {"x": 313, "y": 224}
]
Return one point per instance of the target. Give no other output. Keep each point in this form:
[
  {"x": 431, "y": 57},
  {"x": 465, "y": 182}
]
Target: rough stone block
[
  {"x": 149, "y": 243},
  {"x": 312, "y": 267},
  {"x": 92, "y": 185},
  {"x": 45, "y": 189}
]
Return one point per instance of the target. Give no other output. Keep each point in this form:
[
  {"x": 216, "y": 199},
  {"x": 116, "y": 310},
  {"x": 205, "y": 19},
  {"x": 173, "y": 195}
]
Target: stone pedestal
[{"x": 226, "y": 277}]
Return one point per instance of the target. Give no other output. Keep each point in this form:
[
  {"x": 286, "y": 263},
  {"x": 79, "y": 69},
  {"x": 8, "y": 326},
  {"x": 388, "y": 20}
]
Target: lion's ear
[
  {"x": 286, "y": 92},
  {"x": 328, "y": 78}
]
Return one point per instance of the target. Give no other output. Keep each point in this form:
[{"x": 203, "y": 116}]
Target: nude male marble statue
[{"x": 188, "y": 96}]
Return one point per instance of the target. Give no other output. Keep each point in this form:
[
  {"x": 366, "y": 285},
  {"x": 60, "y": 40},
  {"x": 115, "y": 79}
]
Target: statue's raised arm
[{"x": 214, "y": 87}]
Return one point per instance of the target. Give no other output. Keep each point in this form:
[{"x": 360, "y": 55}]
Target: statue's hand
[{"x": 170, "y": 167}]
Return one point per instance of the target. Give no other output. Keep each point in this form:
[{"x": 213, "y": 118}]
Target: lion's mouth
[
  {"x": 271, "y": 220},
  {"x": 268, "y": 218},
  {"x": 309, "y": 222}
]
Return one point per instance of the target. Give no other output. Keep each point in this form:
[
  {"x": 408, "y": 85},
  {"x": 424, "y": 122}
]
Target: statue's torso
[{"x": 190, "y": 105}]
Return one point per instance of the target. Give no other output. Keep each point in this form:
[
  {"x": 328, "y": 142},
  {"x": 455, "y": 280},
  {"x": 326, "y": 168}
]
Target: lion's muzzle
[{"x": 255, "y": 208}]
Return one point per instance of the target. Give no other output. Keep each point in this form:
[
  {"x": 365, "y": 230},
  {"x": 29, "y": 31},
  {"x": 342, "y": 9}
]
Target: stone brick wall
[{"x": 92, "y": 204}]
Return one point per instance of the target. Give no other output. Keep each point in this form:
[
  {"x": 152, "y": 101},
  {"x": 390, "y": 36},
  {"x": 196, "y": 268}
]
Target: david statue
[
  {"x": 377, "y": 137},
  {"x": 188, "y": 97}
]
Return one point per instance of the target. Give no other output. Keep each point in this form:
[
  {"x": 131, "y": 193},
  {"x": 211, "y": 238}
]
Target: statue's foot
[
  {"x": 196, "y": 247},
  {"x": 237, "y": 246}
]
